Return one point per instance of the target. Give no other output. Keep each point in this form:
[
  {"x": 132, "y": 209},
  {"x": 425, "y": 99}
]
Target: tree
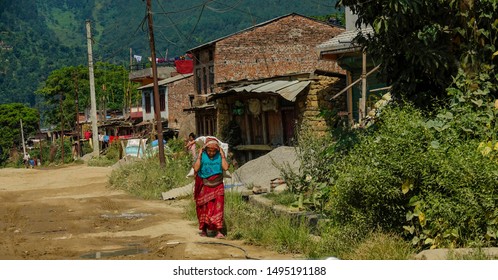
[
  {"x": 10, "y": 126},
  {"x": 422, "y": 43},
  {"x": 111, "y": 85}
]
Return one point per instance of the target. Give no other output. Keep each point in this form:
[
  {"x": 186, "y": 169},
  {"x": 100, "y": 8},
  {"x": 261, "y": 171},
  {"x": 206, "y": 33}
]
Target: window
[
  {"x": 147, "y": 101},
  {"x": 204, "y": 80},
  {"x": 211, "y": 78},
  {"x": 162, "y": 100},
  {"x": 198, "y": 81}
]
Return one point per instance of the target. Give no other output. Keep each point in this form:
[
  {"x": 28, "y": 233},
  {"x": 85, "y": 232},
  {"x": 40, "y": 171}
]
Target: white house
[{"x": 164, "y": 96}]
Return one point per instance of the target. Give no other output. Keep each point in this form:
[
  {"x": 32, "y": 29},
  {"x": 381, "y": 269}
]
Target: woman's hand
[
  {"x": 197, "y": 163},
  {"x": 224, "y": 163}
]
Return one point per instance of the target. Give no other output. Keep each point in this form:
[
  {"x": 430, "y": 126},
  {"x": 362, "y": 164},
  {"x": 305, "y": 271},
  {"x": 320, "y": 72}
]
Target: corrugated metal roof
[
  {"x": 204, "y": 106},
  {"x": 167, "y": 81},
  {"x": 287, "y": 89},
  {"x": 343, "y": 41}
]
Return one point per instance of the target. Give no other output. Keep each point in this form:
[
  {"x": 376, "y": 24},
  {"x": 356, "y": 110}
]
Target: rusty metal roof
[{"x": 287, "y": 89}]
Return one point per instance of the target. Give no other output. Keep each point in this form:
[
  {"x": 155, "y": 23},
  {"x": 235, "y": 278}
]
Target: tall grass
[
  {"x": 146, "y": 178},
  {"x": 474, "y": 254}
]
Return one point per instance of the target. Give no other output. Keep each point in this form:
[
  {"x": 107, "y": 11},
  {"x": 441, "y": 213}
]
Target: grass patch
[
  {"x": 102, "y": 161},
  {"x": 146, "y": 178},
  {"x": 258, "y": 226},
  {"x": 382, "y": 246},
  {"x": 474, "y": 254},
  {"x": 285, "y": 198}
]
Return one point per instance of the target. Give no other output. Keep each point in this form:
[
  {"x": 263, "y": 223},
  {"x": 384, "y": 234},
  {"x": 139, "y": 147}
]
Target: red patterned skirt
[{"x": 210, "y": 202}]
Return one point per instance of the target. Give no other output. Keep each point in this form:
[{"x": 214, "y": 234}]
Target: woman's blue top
[{"x": 210, "y": 167}]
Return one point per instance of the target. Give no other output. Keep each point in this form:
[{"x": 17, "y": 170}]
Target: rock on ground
[{"x": 260, "y": 171}]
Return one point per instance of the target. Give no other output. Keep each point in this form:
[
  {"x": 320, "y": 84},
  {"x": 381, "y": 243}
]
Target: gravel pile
[{"x": 260, "y": 171}]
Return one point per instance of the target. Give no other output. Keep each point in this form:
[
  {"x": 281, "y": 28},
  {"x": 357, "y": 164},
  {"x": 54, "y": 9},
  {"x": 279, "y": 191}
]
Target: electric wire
[{"x": 225, "y": 10}]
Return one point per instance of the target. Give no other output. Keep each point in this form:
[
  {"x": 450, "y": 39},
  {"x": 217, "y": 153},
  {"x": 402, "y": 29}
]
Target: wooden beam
[
  {"x": 354, "y": 83},
  {"x": 350, "y": 98}
]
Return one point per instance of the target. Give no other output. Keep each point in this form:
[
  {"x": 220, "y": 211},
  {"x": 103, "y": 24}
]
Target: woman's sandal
[
  {"x": 203, "y": 234},
  {"x": 219, "y": 236}
]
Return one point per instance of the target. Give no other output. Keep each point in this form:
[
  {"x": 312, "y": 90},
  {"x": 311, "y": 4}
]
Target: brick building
[
  {"x": 174, "y": 95},
  {"x": 265, "y": 80}
]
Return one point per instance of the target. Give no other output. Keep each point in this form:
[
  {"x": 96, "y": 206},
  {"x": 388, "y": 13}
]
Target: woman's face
[{"x": 211, "y": 152}]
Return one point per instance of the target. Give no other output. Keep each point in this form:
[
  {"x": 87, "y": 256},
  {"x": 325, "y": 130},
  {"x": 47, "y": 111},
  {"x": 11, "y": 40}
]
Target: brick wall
[
  {"x": 282, "y": 47},
  {"x": 178, "y": 99}
]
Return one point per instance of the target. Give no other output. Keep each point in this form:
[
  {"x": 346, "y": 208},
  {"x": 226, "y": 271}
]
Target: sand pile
[{"x": 260, "y": 171}]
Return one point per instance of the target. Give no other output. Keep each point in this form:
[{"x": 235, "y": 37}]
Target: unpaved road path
[{"x": 71, "y": 213}]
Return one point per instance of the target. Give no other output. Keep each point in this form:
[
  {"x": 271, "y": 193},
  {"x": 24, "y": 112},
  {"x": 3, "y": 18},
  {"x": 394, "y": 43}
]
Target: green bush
[
  {"x": 311, "y": 183},
  {"x": 113, "y": 151},
  {"x": 367, "y": 187},
  {"x": 176, "y": 145},
  {"x": 455, "y": 205},
  {"x": 424, "y": 179}
]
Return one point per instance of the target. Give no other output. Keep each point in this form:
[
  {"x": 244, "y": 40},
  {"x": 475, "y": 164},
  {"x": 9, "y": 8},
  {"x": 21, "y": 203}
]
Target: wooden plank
[
  {"x": 265, "y": 132},
  {"x": 248, "y": 129}
]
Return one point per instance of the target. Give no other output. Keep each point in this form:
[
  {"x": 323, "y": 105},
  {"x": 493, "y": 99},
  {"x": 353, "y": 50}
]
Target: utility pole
[
  {"x": 131, "y": 59},
  {"x": 78, "y": 149},
  {"x": 93, "y": 113},
  {"x": 62, "y": 129},
  {"x": 363, "y": 108},
  {"x": 157, "y": 108},
  {"x": 22, "y": 138}
]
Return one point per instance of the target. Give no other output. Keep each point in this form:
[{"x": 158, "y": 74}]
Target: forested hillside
[{"x": 39, "y": 36}]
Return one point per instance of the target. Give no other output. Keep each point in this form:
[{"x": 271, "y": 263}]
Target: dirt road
[{"x": 71, "y": 213}]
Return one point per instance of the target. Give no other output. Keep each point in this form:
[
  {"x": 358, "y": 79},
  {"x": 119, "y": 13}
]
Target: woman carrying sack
[{"x": 209, "y": 191}]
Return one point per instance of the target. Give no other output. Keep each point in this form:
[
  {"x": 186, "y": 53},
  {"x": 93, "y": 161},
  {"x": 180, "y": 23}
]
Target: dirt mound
[{"x": 260, "y": 171}]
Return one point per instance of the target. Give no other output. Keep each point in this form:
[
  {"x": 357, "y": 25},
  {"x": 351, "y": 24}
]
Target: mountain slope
[{"x": 39, "y": 36}]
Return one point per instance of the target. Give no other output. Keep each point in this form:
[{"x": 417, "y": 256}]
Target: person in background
[
  {"x": 26, "y": 159},
  {"x": 209, "y": 190},
  {"x": 191, "y": 145}
]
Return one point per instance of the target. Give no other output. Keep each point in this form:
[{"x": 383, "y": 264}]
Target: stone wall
[
  {"x": 309, "y": 106},
  {"x": 222, "y": 114}
]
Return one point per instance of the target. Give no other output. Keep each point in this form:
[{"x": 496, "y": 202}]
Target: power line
[
  {"x": 178, "y": 11},
  {"x": 225, "y": 10},
  {"x": 237, "y": 9},
  {"x": 106, "y": 57},
  {"x": 198, "y": 19}
]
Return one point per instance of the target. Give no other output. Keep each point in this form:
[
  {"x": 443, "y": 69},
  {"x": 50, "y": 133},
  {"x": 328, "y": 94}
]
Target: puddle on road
[{"x": 115, "y": 253}]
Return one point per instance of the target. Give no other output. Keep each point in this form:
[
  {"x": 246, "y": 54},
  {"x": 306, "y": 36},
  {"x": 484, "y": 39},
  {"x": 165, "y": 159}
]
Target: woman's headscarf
[{"x": 212, "y": 143}]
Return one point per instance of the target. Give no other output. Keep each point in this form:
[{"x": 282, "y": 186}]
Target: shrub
[
  {"x": 423, "y": 176},
  {"x": 311, "y": 183},
  {"x": 455, "y": 204},
  {"x": 367, "y": 187},
  {"x": 382, "y": 246}
]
